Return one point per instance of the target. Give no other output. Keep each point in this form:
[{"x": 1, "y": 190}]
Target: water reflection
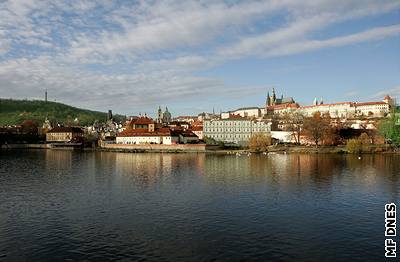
[{"x": 177, "y": 207}]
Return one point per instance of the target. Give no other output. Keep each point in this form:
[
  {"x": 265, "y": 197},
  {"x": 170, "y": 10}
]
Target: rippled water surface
[{"x": 60, "y": 205}]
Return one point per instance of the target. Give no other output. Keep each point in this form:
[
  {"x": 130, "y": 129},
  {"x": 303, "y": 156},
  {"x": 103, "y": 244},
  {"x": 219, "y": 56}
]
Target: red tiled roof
[
  {"x": 144, "y": 120},
  {"x": 185, "y": 117},
  {"x": 370, "y": 103},
  {"x": 197, "y": 123},
  {"x": 196, "y": 128},
  {"x": 283, "y": 106},
  {"x": 233, "y": 116},
  {"x": 65, "y": 129},
  {"x": 346, "y": 103},
  {"x": 334, "y": 104},
  {"x": 145, "y": 132}
]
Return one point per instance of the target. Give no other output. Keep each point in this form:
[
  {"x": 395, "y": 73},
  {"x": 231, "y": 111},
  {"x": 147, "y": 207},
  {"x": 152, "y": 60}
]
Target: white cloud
[
  {"x": 306, "y": 46},
  {"x": 394, "y": 92},
  {"x": 95, "y": 53}
]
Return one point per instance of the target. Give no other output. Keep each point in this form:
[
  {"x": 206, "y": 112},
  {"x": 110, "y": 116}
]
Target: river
[{"x": 65, "y": 205}]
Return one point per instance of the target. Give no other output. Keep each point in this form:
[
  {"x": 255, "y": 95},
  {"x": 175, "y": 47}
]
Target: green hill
[{"x": 14, "y": 112}]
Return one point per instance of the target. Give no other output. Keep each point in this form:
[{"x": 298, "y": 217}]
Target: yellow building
[{"x": 64, "y": 134}]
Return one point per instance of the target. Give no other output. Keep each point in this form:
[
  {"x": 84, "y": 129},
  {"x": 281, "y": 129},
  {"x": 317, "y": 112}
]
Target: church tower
[
  {"x": 273, "y": 96},
  {"x": 159, "y": 115},
  {"x": 268, "y": 102},
  {"x": 166, "y": 116}
]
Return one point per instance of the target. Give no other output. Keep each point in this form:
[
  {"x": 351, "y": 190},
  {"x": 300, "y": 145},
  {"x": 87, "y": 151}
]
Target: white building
[
  {"x": 144, "y": 136},
  {"x": 349, "y": 109},
  {"x": 237, "y": 130},
  {"x": 250, "y": 112}
]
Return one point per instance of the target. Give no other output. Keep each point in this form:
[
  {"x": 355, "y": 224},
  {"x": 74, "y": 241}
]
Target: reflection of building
[
  {"x": 235, "y": 129},
  {"x": 64, "y": 134}
]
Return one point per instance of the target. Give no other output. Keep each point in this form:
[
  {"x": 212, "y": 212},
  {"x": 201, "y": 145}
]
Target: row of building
[
  {"x": 232, "y": 127},
  {"x": 278, "y": 106}
]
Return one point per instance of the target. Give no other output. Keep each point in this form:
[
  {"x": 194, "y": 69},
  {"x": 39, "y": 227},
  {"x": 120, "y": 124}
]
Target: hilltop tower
[{"x": 45, "y": 96}]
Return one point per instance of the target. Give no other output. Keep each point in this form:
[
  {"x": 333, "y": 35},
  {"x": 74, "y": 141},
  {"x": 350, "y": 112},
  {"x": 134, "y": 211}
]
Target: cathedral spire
[{"x": 273, "y": 95}]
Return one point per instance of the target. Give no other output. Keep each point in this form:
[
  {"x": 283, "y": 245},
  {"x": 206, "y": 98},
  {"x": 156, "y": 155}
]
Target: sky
[{"x": 195, "y": 56}]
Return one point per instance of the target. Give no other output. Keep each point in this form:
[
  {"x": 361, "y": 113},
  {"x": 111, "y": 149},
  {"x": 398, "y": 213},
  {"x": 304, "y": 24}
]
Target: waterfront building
[
  {"x": 63, "y": 134},
  {"x": 143, "y": 122},
  {"x": 198, "y": 131},
  {"x": 235, "y": 129},
  {"x": 147, "y": 136}
]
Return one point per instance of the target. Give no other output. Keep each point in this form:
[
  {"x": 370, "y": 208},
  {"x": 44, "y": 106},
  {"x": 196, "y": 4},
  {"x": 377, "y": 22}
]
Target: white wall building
[
  {"x": 236, "y": 130},
  {"x": 143, "y": 136},
  {"x": 244, "y": 112}
]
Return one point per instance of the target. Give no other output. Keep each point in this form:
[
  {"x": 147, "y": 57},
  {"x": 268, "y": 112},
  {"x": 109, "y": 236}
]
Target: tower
[
  {"x": 109, "y": 115},
  {"x": 45, "y": 95},
  {"x": 273, "y": 96},
  {"x": 166, "y": 116},
  {"x": 159, "y": 115}
]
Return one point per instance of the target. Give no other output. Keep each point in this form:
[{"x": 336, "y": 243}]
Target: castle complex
[{"x": 277, "y": 106}]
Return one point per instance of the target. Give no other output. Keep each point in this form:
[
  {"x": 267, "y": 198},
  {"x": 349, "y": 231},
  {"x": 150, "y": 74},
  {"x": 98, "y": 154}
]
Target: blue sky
[{"x": 193, "y": 56}]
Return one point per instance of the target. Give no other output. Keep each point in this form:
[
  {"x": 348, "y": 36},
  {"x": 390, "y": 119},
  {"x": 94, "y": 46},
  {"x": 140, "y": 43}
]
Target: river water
[{"x": 64, "y": 205}]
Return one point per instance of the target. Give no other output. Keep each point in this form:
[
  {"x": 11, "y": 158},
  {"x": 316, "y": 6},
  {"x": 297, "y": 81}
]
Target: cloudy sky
[{"x": 193, "y": 56}]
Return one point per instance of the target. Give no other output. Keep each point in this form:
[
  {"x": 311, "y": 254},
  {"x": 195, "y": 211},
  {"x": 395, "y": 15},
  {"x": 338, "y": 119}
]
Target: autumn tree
[
  {"x": 317, "y": 127},
  {"x": 259, "y": 142}
]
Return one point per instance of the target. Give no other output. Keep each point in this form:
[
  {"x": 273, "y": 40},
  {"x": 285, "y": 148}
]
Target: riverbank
[{"x": 203, "y": 148}]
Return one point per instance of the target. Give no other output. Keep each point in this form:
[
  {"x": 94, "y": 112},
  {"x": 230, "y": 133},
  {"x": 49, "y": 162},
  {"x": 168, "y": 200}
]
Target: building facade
[
  {"x": 63, "y": 134},
  {"x": 250, "y": 112},
  {"x": 145, "y": 136},
  {"x": 237, "y": 130},
  {"x": 349, "y": 109}
]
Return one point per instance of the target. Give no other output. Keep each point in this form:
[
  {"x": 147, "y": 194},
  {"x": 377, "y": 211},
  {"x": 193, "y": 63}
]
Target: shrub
[
  {"x": 259, "y": 142},
  {"x": 359, "y": 145}
]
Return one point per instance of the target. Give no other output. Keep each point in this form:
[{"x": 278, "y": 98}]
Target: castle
[{"x": 272, "y": 100}]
